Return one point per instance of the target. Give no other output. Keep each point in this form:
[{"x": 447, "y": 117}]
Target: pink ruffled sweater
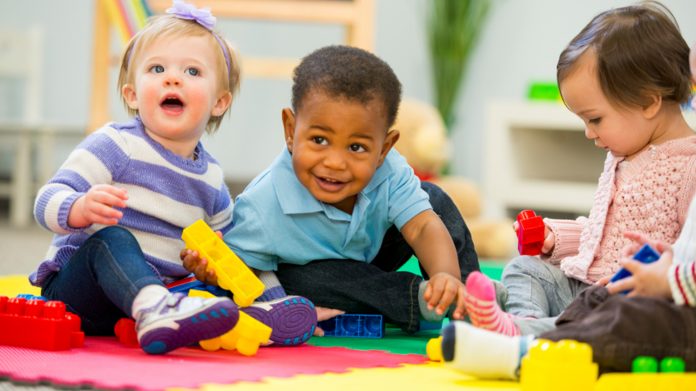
[{"x": 649, "y": 194}]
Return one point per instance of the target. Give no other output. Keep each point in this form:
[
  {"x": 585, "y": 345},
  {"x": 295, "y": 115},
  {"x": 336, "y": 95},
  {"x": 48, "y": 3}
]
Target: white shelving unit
[{"x": 537, "y": 157}]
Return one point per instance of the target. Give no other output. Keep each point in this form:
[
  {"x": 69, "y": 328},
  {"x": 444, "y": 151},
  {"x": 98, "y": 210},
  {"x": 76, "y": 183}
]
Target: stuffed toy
[{"x": 424, "y": 144}]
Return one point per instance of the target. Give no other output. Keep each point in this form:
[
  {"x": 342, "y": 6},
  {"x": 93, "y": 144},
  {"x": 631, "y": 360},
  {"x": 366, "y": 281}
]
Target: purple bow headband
[{"x": 203, "y": 17}]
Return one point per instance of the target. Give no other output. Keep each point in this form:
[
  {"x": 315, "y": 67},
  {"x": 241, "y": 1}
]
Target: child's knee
[{"x": 116, "y": 236}]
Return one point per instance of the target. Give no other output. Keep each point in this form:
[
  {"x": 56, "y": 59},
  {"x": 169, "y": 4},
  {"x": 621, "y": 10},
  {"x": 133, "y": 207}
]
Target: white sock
[
  {"x": 482, "y": 353},
  {"x": 147, "y": 297}
]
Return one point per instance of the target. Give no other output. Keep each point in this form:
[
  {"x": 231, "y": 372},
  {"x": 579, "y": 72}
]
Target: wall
[{"x": 520, "y": 43}]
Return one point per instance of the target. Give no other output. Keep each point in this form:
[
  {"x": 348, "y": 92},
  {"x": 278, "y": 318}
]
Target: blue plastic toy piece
[
  {"x": 29, "y": 296},
  {"x": 354, "y": 326},
  {"x": 646, "y": 254}
]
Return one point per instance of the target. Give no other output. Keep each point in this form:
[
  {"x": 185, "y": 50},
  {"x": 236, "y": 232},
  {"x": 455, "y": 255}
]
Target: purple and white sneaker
[
  {"x": 178, "y": 320},
  {"x": 292, "y": 318}
]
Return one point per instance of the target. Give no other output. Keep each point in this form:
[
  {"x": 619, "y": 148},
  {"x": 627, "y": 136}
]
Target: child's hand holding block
[
  {"x": 530, "y": 233},
  {"x": 232, "y": 273},
  {"x": 646, "y": 254}
]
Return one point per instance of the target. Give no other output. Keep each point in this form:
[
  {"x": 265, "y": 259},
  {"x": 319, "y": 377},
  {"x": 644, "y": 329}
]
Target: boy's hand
[
  {"x": 323, "y": 314},
  {"x": 97, "y": 206},
  {"x": 442, "y": 290},
  {"x": 193, "y": 263}
]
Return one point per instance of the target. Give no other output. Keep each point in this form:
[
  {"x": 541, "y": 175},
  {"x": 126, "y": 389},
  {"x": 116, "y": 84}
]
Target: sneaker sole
[
  {"x": 208, "y": 323},
  {"x": 292, "y": 320}
]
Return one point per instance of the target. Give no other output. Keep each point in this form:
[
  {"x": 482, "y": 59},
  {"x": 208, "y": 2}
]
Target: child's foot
[
  {"x": 177, "y": 320},
  {"x": 482, "y": 308},
  {"x": 292, "y": 318},
  {"x": 481, "y": 353}
]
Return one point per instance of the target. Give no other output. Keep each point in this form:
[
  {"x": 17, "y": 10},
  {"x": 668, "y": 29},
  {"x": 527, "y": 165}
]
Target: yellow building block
[
  {"x": 646, "y": 381},
  {"x": 232, "y": 273},
  {"x": 245, "y": 337},
  {"x": 565, "y": 365}
]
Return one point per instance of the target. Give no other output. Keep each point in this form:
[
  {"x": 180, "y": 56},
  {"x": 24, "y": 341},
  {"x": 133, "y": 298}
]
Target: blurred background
[{"x": 501, "y": 140}]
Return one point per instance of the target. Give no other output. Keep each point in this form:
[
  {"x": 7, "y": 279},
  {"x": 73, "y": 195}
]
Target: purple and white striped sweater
[{"x": 166, "y": 193}]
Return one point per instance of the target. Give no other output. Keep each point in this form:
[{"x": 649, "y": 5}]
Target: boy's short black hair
[{"x": 350, "y": 73}]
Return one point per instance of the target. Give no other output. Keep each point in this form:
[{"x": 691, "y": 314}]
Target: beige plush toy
[{"x": 425, "y": 146}]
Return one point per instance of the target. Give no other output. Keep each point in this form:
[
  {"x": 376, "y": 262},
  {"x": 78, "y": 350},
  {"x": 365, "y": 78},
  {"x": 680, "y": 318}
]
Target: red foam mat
[{"x": 106, "y": 364}]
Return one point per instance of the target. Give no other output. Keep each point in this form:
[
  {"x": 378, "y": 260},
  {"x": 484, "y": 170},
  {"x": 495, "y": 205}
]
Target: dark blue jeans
[
  {"x": 376, "y": 287},
  {"x": 100, "y": 282}
]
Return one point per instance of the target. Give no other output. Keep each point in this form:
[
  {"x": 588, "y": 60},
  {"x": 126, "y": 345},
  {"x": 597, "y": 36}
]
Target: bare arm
[{"x": 433, "y": 246}]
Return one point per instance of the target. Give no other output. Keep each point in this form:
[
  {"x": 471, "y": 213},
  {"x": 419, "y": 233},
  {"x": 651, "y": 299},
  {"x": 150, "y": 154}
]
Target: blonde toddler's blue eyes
[
  {"x": 157, "y": 68},
  {"x": 193, "y": 71}
]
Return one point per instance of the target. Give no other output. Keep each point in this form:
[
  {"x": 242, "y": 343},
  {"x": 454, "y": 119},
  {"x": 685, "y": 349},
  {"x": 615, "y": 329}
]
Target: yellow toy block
[
  {"x": 232, "y": 273},
  {"x": 558, "y": 365},
  {"x": 646, "y": 381},
  {"x": 245, "y": 337}
]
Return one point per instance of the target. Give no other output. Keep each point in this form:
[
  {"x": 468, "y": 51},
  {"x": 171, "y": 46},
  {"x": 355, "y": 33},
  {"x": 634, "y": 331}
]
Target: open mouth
[
  {"x": 330, "y": 184},
  {"x": 172, "y": 103}
]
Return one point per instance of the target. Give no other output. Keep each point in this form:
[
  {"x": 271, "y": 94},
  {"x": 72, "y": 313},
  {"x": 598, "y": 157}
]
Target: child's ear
[
  {"x": 222, "y": 103},
  {"x": 129, "y": 96},
  {"x": 288, "y": 127},
  {"x": 651, "y": 110},
  {"x": 389, "y": 141}
]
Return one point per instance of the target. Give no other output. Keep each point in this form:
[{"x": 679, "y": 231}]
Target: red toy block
[
  {"x": 38, "y": 324},
  {"x": 125, "y": 332},
  {"x": 530, "y": 234}
]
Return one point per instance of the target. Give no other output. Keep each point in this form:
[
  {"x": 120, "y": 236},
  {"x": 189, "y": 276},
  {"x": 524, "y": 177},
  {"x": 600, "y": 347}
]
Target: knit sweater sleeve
[
  {"x": 567, "y": 238},
  {"x": 688, "y": 192},
  {"x": 95, "y": 161}
]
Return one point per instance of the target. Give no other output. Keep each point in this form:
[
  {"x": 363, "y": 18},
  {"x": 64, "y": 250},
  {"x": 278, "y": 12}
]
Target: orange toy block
[
  {"x": 245, "y": 337},
  {"x": 232, "y": 273},
  {"x": 563, "y": 365}
]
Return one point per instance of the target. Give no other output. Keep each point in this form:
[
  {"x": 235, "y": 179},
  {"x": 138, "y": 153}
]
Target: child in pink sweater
[{"x": 625, "y": 76}]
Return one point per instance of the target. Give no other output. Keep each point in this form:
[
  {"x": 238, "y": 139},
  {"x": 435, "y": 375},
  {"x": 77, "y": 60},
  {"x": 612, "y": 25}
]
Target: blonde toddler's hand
[{"x": 98, "y": 206}]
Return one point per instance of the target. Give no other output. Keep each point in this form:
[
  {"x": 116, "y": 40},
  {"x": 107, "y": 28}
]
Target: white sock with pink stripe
[{"x": 482, "y": 308}]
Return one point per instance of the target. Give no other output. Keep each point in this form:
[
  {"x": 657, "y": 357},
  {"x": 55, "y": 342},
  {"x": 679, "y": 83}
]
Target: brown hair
[
  {"x": 167, "y": 26},
  {"x": 640, "y": 53}
]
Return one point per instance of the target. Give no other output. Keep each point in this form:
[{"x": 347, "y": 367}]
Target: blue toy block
[
  {"x": 29, "y": 296},
  {"x": 354, "y": 326},
  {"x": 646, "y": 254}
]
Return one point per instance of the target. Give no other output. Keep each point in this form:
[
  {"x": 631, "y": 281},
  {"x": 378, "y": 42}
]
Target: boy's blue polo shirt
[{"x": 277, "y": 220}]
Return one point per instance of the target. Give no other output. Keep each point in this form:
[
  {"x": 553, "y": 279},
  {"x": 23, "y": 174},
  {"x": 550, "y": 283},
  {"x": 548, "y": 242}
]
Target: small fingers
[
  {"x": 448, "y": 296},
  {"x": 460, "y": 310}
]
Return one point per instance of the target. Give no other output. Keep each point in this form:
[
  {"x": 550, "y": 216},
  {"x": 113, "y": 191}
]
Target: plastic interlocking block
[
  {"x": 646, "y": 254},
  {"x": 565, "y": 364},
  {"x": 246, "y": 336},
  {"x": 354, "y": 325},
  {"x": 530, "y": 233},
  {"x": 232, "y": 273},
  {"x": 38, "y": 324}
]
